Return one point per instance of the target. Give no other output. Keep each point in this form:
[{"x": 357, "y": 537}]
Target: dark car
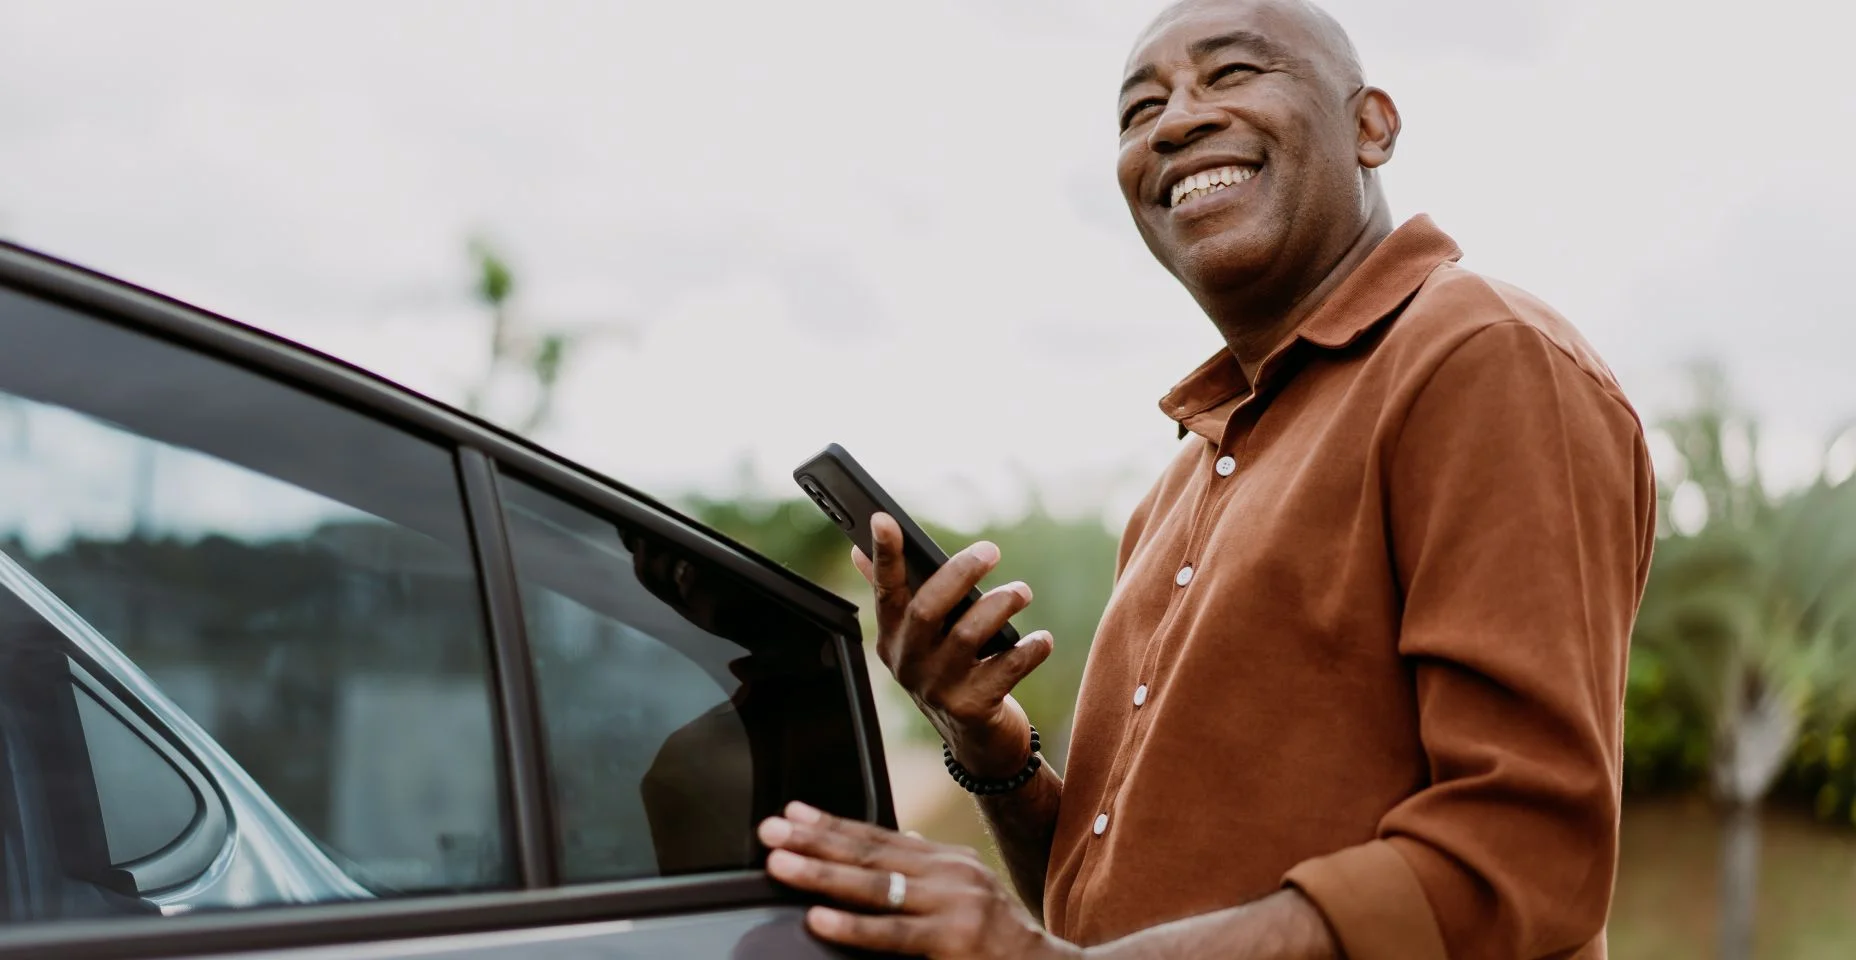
[{"x": 293, "y": 659}]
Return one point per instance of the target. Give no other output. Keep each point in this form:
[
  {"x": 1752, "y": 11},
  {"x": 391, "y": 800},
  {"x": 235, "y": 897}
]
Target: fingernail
[
  {"x": 1023, "y": 589},
  {"x": 985, "y": 552},
  {"x": 775, "y": 831},
  {"x": 802, "y": 813},
  {"x": 783, "y": 862},
  {"x": 1035, "y": 637}
]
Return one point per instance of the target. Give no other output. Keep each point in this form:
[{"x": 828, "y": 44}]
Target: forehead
[{"x": 1276, "y": 27}]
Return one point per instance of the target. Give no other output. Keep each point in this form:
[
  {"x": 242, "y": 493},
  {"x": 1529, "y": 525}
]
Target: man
[{"x": 1358, "y": 691}]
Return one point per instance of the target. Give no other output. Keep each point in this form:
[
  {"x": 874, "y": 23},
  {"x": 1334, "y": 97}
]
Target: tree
[
  {"x": 1750, "y": 613},
  {"x": 526, "y": 359}
]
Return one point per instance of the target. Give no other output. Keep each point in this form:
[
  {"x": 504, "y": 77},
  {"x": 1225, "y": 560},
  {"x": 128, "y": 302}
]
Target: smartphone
[{"x": 850, "y": 497}]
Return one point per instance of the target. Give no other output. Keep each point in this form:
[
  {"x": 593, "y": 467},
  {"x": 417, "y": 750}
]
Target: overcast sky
[{"x": 895, "y": 225}]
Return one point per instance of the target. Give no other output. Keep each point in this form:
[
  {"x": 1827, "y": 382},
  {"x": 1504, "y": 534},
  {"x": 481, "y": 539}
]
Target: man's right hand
[{"x": 968, "y": 700}]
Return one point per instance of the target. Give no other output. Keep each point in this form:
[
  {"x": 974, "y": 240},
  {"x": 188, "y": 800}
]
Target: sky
[{"x": 895, "y": 226}]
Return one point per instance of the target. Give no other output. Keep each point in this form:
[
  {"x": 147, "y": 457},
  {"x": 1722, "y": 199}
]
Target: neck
[{"x": 1257, "y": 319}]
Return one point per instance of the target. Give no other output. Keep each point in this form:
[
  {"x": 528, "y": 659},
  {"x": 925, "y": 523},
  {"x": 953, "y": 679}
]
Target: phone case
[{"x": 840, "y": 486}]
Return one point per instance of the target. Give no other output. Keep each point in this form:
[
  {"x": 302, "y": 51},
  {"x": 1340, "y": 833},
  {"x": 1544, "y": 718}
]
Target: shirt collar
[{"x": 1376, "y": 290}]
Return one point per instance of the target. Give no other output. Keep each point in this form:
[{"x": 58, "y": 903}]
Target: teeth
[{"x": 1209, "y": 182}]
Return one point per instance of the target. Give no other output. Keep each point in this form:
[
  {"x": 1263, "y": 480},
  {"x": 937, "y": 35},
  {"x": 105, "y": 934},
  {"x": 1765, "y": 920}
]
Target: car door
[{"x": 298, "y": 659}]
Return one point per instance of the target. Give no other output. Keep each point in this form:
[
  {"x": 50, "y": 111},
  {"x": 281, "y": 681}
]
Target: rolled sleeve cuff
[{"x": 1373, "y": 902}]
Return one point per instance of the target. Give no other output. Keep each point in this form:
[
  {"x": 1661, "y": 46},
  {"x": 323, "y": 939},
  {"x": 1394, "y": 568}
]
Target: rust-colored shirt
[{"x": 1369, "y": 631}]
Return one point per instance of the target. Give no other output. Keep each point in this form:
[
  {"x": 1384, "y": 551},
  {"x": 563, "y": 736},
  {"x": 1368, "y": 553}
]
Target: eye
[
  {"x": 1139, "y": 109},
  {"x": 1233, "y": 72}
]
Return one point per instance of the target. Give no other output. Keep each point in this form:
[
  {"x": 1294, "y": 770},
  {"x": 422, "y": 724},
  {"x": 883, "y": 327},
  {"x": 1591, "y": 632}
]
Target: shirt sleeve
[{"x": 1521, "y": 507}]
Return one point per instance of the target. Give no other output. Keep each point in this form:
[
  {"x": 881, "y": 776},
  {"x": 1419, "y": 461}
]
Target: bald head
[
  {"x": 1249, "y": 145},
  {"x": 1313, "y": 32},
  {"x": 1337, "y": 47}
]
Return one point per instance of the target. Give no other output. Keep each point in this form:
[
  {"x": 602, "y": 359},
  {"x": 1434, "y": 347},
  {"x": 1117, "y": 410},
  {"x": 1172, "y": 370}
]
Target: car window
[
  {"x": 146, "y": 801},
  {"x": 278, "y": 587},
  {"x": 680, "y": 702}
]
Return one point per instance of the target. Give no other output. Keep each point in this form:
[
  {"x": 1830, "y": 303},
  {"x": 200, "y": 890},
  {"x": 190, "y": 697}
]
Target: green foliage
[
  {"x": 549, "y": 354},
  {"x": 1069, "y": 565},
  {"x": 519, "y": 347},
  {"x": 792, "y": 533},
  {"x": 1748, "y": 627},
  {"x": 1666, "y": 741},
  {"x": 1822, "y": 773},
  {"x": 495, "y": 280}
]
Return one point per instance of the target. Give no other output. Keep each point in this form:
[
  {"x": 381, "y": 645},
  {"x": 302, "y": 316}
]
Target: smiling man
[{"x": 1359, "y": 688}]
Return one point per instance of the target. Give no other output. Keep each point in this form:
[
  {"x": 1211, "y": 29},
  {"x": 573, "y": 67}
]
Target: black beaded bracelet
[{"x": 992, "y": 788}]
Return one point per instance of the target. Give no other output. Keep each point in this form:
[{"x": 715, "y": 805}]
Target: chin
[{"x": 1224, "y": 261}]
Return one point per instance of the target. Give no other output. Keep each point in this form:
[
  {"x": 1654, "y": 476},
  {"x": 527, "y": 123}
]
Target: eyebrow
[
  {"x": 1139, "y": 77},
  {"x": 1258, "y": 43}
]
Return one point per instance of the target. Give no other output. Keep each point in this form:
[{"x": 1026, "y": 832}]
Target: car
[{"x": 295, "y": 661}]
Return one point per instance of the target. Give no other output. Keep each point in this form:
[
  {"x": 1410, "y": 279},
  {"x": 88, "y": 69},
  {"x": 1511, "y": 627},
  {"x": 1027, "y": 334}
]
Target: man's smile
[{"x": 1194, "y": 189}]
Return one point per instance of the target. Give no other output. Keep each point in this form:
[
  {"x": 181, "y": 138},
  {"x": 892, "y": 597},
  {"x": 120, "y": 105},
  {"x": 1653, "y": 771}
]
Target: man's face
[{"x": 1239, "y": 147}]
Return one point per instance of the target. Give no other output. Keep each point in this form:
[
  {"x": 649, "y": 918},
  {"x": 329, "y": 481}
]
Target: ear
[{"x": 1379, "y": 126}]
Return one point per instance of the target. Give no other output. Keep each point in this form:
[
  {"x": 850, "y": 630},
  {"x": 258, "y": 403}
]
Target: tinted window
[
  {"x": 146, "y": 801},
  {"x": 681, "y": 703},
  {"x": 282, "y": 589}
]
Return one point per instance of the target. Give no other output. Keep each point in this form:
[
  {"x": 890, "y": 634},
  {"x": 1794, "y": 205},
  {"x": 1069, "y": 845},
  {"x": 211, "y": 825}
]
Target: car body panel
[{"x": 766, "y": 933}]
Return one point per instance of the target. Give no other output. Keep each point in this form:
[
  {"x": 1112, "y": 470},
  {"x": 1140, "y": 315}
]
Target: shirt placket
[{"x": 1224, "y": 471}]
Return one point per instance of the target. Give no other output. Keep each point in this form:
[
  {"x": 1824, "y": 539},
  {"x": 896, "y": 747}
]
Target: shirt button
[
  {"x": 1227, "y": 466},
  {"x": 1101, "y": 823},
  {"x": 1140, "y": 694},
  {"x": 1185, "y": 575}
]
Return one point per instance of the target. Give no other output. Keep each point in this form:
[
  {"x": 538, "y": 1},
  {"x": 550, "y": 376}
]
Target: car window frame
[
  {"x": 482, "y": 453},
  {"x": 846, "y": 648}
]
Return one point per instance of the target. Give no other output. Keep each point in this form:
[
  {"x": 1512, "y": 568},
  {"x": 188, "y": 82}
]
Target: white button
[
  {"x": 1140, "y": 694},
  {"x": 1227, "y": 466},
  {"x": 1185, "y": 575},
  {"x": 1101, "y": 823}
]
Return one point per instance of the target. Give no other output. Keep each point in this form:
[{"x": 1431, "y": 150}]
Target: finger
[
  {"x": 874, "y": 850},
  {"x": 810, "y": 816},
  {"x": 889, "y": 574},
  {"x": 951, "y": 584},
  {"x": 863, "y": 565},
  {"x": 908, "y": 936},
  {"x": 996, "y": 676},
  {"x": 985, "y": 617},
  {"x": 859, "y": 887}
]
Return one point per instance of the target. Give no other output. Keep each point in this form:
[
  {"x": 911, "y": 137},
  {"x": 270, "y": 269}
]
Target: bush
[
  {"x": 1666, "y": 741},
  {"x": 1822, "y": 773}
]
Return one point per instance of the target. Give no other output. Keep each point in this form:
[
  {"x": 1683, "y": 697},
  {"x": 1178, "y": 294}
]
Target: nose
[{"x": 1184, "y": 121}]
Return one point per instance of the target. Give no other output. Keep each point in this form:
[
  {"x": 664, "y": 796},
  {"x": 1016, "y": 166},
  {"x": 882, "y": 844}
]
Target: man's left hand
[{"x": 953, "y": 907}]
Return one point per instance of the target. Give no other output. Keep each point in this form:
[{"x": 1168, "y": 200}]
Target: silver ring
[{"x": 898, "y": 890}]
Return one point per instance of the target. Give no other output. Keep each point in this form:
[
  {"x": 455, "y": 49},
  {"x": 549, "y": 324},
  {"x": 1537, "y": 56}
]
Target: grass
[{"x": 1667, "y": 875}]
